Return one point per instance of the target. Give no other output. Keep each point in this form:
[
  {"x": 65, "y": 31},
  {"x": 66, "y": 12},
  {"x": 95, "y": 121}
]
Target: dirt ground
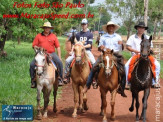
[{"x": 65, "y": 105}]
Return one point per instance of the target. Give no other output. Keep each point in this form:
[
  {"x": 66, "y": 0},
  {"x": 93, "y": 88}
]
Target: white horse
[{"x": 46, "y": 80}]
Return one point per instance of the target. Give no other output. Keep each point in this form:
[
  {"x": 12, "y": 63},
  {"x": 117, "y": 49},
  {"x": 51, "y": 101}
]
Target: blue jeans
[{"x": 92, "y": 73}]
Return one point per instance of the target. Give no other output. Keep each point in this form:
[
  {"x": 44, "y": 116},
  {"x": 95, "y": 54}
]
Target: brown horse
[
  {"x": 79, "y": 74},
  {"x": 46, "y": 80},
  {"x": 108, "y": 81}
]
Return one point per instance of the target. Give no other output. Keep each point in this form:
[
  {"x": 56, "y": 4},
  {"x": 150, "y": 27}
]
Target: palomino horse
[
  {"x": 108, "y": 81},
  {"x": 46, "y": 80},
  {"x": 141, "y": 78},
  {"x": 79, "y": 74}
]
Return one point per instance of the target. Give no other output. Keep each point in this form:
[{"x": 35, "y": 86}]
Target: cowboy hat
[
  {"x": 47, "y": 24},
  {"x": 141, "y": 24},
  {"x": 104, "y": 27}
]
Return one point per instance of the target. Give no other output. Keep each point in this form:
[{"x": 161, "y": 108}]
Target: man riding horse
[
  {"x": 49, "y": 42},
  {"x": 133, "y": 45},
  {"x": 113, "y": 41},
  {"x": 83, "y": 35}
]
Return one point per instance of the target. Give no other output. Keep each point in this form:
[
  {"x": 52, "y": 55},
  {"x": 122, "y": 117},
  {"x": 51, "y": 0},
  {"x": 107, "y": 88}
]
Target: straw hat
[
  {"x": 141, "y": 24},
  {"x": 47, "y": 24},
  {"x": 104, "y": 27}
]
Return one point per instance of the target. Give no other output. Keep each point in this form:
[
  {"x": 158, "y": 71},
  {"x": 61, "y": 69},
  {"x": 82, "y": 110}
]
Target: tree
[{"x": 129, "y": 11}]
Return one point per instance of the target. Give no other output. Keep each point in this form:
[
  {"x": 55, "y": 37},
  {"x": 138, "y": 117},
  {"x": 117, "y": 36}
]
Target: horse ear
[
  {"x": 112, "y": 51},
  {"x": 75, "y": 40},
  {"x": 142, "y": 37},
  {"x": 150, "y": 38}
]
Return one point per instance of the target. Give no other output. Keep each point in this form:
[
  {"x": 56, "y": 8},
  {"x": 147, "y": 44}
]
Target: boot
[
  {"x": 60, "y": 82},
  {"x": 33, "y": 83}
]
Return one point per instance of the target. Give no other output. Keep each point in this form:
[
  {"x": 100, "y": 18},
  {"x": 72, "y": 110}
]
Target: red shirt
[{"x": 49, "y": 42}]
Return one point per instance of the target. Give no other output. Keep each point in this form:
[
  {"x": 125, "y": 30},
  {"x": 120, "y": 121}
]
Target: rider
[
  {"x": 49, "y": 42},
  {"x": 133, "y": 45},
  {"x": 83, "y": 35},
  {"x": 113, "y": 41},
  {"x": 73, "y": 30}
]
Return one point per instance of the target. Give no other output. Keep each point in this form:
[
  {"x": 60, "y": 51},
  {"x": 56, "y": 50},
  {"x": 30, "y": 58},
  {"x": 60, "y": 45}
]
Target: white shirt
[
  {"x": 111, "y": 41},
  {"x": 134, "y": 41}
]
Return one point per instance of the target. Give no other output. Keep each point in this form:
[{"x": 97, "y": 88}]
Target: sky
[{"x": 114, "y": 19}]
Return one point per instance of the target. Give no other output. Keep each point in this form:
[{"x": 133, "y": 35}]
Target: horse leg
[
  {"x": 102, "y": 108},
  {"x": 104, "y": 104},
  {"x": 132, "y": 104},
  {"x": 76, "y": 98},
  {"x": 39, "y": 89},
  {"x": 46, "y": 101},
  {"x": 80, "y": 98},
  {"x": 112, "y": 103},
  {"x": 85, "y": 102},
  {"x": 137, "y": 106},
  {"x": 55, "y": 88},
  {"x": 146, "y": 95},
  {"x": 141, "y": 117}
]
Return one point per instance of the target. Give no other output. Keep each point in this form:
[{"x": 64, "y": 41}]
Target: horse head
[
  {"x": 79, "y": 51},
  {"x": 145, "y": 47},
  {"x": 108, "y": 61},
  {"x": 41, "y": 60}
]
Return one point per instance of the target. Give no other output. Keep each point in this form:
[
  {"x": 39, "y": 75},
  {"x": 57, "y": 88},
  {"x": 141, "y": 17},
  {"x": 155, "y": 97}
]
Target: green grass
[{"x": 14, "y": 75}]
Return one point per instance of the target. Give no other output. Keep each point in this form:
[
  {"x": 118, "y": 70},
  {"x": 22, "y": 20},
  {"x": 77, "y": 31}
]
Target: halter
[{"x": 78, "y": 44}]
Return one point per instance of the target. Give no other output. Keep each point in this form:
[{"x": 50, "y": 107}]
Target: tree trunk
[
  {"x": 154, "y": 30},
  {"x": 159, "y": 33},
  {"x": 18, "y": 40},
  {"x": 145, "y": 12}
]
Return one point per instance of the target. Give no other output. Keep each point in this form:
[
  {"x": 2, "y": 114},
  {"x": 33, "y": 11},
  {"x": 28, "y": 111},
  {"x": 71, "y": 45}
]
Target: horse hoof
[
  {"x": 101, "y": 114},
  {"x": 131, "y": 109},
  {"x": 141, "y": 118},
  {"x": 39, "y": 117},
  {"x": 74, "y": 115},
  {"x": 112, "y": 118},
  {"x": 45, "y": 115},
  {"x": 104, "y": 121},
  {"x": 85, "y": 108},
  {"x": 55, "y": 110}
]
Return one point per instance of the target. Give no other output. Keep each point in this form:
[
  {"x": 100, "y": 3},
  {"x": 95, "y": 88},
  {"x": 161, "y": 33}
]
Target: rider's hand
[
  {"x": 102, "y": 47},
  {"x": 120, "y": 42},
  {"x": 70, "y": 53}
]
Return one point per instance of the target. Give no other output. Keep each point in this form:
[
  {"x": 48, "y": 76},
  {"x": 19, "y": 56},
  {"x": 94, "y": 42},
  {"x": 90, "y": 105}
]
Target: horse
[
  {"x": 46, "y": 80},
  {"x": 79, "y": 74},
  {"x": 141, "y": 78},
  {"x": 108, "y": 81}
]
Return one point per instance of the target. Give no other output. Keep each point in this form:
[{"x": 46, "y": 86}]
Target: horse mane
[{"x": 42, "y": 51}]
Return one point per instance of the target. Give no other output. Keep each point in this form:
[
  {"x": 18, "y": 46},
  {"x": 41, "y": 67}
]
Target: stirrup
[{"x": 95, "y": 85}]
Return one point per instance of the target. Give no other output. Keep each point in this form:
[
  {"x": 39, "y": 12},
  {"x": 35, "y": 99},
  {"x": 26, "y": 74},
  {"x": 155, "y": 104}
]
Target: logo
[{"x": 17, "y": 112}]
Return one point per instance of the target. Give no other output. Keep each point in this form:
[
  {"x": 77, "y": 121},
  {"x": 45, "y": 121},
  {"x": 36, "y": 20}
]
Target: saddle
[{"x": 134, "y": 62}]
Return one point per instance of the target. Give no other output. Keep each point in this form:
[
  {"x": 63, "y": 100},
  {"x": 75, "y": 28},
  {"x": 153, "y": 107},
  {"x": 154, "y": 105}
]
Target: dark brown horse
[
  {"x": 72, "y": 38},
  {"x": 108, "y": 81},
  {"x": 141, "y": 78}
]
